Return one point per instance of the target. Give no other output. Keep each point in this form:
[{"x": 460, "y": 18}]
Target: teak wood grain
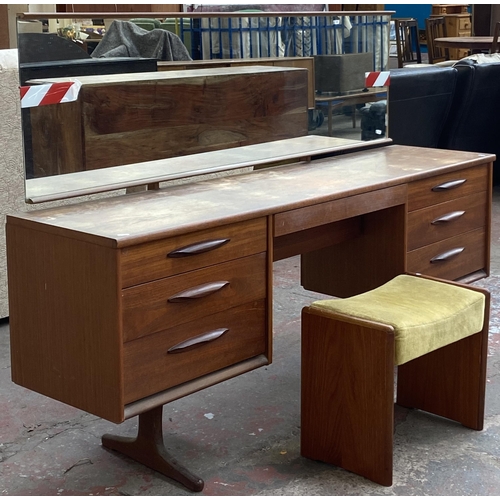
[
  {"x": 67, "y": 345},
  {"x": 149, "y": 261},
  {"x": 148, "y": 358},
  {"x": 349, "y": 268},
  {"x": 444, "y": 220},
  {"x": 147, "y": 308},
  {"x": 348, "y": 380},
  {"x": 459, "y": 264},
  {"x": 57, "y": 139},
  {"x": 347, "y": 413},
  {"x": 71, "y": 268},
  {"x": 127, "y": 119},
  {"x": 201, "y": 205},
  {"x": 471, "y": 181},
  {"x": 292, "y": 62}
]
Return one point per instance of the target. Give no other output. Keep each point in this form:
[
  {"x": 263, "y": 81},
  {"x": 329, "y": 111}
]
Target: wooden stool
[{"x": 435, "y": 331}]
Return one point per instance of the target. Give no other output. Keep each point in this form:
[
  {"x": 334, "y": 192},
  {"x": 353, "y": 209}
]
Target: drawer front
[
  {"x": 159, "y": 259},
  {"x": 464, "y": 23},
  {"x": 445, "y": 220},
  {"x": 459, "y": 263},
  {"x": 149, "y": 367},
  {"x": 332, "y": 211},
  {"x": 446, "y": 187},
  {"x": 169, "y": 302}
]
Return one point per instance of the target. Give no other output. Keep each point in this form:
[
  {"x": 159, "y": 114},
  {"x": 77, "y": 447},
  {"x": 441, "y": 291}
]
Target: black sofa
[{"x": 447, "y": 107}]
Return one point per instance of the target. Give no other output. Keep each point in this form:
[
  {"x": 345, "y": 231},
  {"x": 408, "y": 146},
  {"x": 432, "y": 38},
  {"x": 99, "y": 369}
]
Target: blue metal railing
[{"x": 250, "y": 36}]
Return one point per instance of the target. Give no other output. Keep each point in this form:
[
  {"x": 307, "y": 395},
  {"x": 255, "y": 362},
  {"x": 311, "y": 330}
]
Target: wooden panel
[
  {"x": 57, "y": 139},
  {"x": 287, "y": 62},
  {"x": 347, "y": 398},
  {"x": 315, "y": 238},
  {"x": 121, "y": 148},
  {"x": 348, "y": 268},
  {"x": 420, "y": 193},
  {"x": 465, "y": 213},
  {"x": 149, "y": 308},
  {"x": 148, "y": 116},
  {"x": 179, "y": 391},
  {"x": 64, "y": 320},
  {"x": 458, "y": 395},
  {"x": 471, "y": 259},
  {"x": 146, "y": 262},
  {"x": 148, "y": 358}
]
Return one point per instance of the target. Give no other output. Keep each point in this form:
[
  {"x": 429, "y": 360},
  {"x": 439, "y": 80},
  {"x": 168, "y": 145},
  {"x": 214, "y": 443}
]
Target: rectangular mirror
[{"x": 132, "y": 110}]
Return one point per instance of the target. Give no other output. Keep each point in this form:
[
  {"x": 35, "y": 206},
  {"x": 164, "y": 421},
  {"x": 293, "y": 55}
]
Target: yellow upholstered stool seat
[
  {"x": 425, "y": 314},
  {"x": 435, "y": 331}
]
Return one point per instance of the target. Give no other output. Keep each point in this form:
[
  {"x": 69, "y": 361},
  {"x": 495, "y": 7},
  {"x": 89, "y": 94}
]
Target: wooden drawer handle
[
  {"x": 449, "y": 185},
  {"x": 448, "y": 217},
  {"x": 200, "y": 339},
  {"x": 197, "y": 248},
  {"x": 447, "y": 255},
  {"x": 198, "y": 292}
]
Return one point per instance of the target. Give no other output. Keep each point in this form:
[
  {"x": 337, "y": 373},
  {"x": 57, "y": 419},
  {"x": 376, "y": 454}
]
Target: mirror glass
[{"x": 119, "y": 120}]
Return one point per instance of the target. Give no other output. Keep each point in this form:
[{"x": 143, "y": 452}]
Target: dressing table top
[{"x": 130, "y": 219}]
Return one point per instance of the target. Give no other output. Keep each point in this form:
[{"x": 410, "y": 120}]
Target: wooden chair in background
[
  {"x": 407, "y": 41},
  {"x": 495, "y": 47},
  {"x": 435, "y": 27}
]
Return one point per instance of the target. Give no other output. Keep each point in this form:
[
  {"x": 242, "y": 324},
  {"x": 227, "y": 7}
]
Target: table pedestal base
[{"x": 149, "y": 449}]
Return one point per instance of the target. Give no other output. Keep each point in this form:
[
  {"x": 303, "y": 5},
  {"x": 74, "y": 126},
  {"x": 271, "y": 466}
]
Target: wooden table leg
[
  {"x": 330, "y": 118},
  {"x": 149, "y": 449}
]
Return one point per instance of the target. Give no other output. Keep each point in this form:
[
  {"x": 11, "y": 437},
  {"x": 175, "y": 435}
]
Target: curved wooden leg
[{"x": 149, "y": 449}]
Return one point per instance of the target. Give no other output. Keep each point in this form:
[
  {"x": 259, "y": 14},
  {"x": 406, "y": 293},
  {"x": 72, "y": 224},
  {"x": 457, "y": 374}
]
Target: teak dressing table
[{"x": 122, "y": 305}]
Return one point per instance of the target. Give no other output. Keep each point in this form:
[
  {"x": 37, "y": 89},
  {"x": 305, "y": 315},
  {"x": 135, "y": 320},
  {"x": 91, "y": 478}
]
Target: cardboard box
[{"x": 343, "y": 72}]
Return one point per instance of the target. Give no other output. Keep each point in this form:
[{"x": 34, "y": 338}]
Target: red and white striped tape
[
  {"x": 377, "y": 79},
  {"x": 50, "y": 93}
]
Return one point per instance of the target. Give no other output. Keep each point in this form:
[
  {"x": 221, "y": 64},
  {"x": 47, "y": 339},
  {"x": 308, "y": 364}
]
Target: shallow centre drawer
[
  {"x": 159, "y": 362},
  {"x": 168, "y": 302},
  {"x": 179, "y": 254}
]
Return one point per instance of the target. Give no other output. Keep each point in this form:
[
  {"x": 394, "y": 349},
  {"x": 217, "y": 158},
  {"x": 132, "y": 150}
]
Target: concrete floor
[{"x": 242, "y": 436}]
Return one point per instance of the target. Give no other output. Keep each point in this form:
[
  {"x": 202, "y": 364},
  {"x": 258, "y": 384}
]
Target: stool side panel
[{"x": 348, "y": 396}]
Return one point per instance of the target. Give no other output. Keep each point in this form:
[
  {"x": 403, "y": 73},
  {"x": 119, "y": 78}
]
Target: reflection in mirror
[{"x": 336, "y": 49}]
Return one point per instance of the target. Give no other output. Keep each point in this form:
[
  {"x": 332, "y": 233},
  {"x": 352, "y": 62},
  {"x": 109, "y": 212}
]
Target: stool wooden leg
[
  {"x": 451, "y": 381},
  {"x": 348, "y": 395}
]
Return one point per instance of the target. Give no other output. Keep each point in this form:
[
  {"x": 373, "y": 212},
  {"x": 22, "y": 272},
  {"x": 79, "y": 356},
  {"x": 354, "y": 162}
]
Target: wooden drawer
[
  {"x": 331, "y": 211},
  {"x": 149, "y": 367},
  {"x": 150, "y": 261},
  {"x": 446, "y": 187},
  {"x": 169, "y": 302},
  {"x": 445, "y": 220},
  {"x": 470, "y": 256},
  {"x": 464, "y": 23}
]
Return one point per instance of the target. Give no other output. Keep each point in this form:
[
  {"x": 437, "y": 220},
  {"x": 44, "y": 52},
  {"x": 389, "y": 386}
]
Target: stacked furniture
[{"x": 458, "y": 23}]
